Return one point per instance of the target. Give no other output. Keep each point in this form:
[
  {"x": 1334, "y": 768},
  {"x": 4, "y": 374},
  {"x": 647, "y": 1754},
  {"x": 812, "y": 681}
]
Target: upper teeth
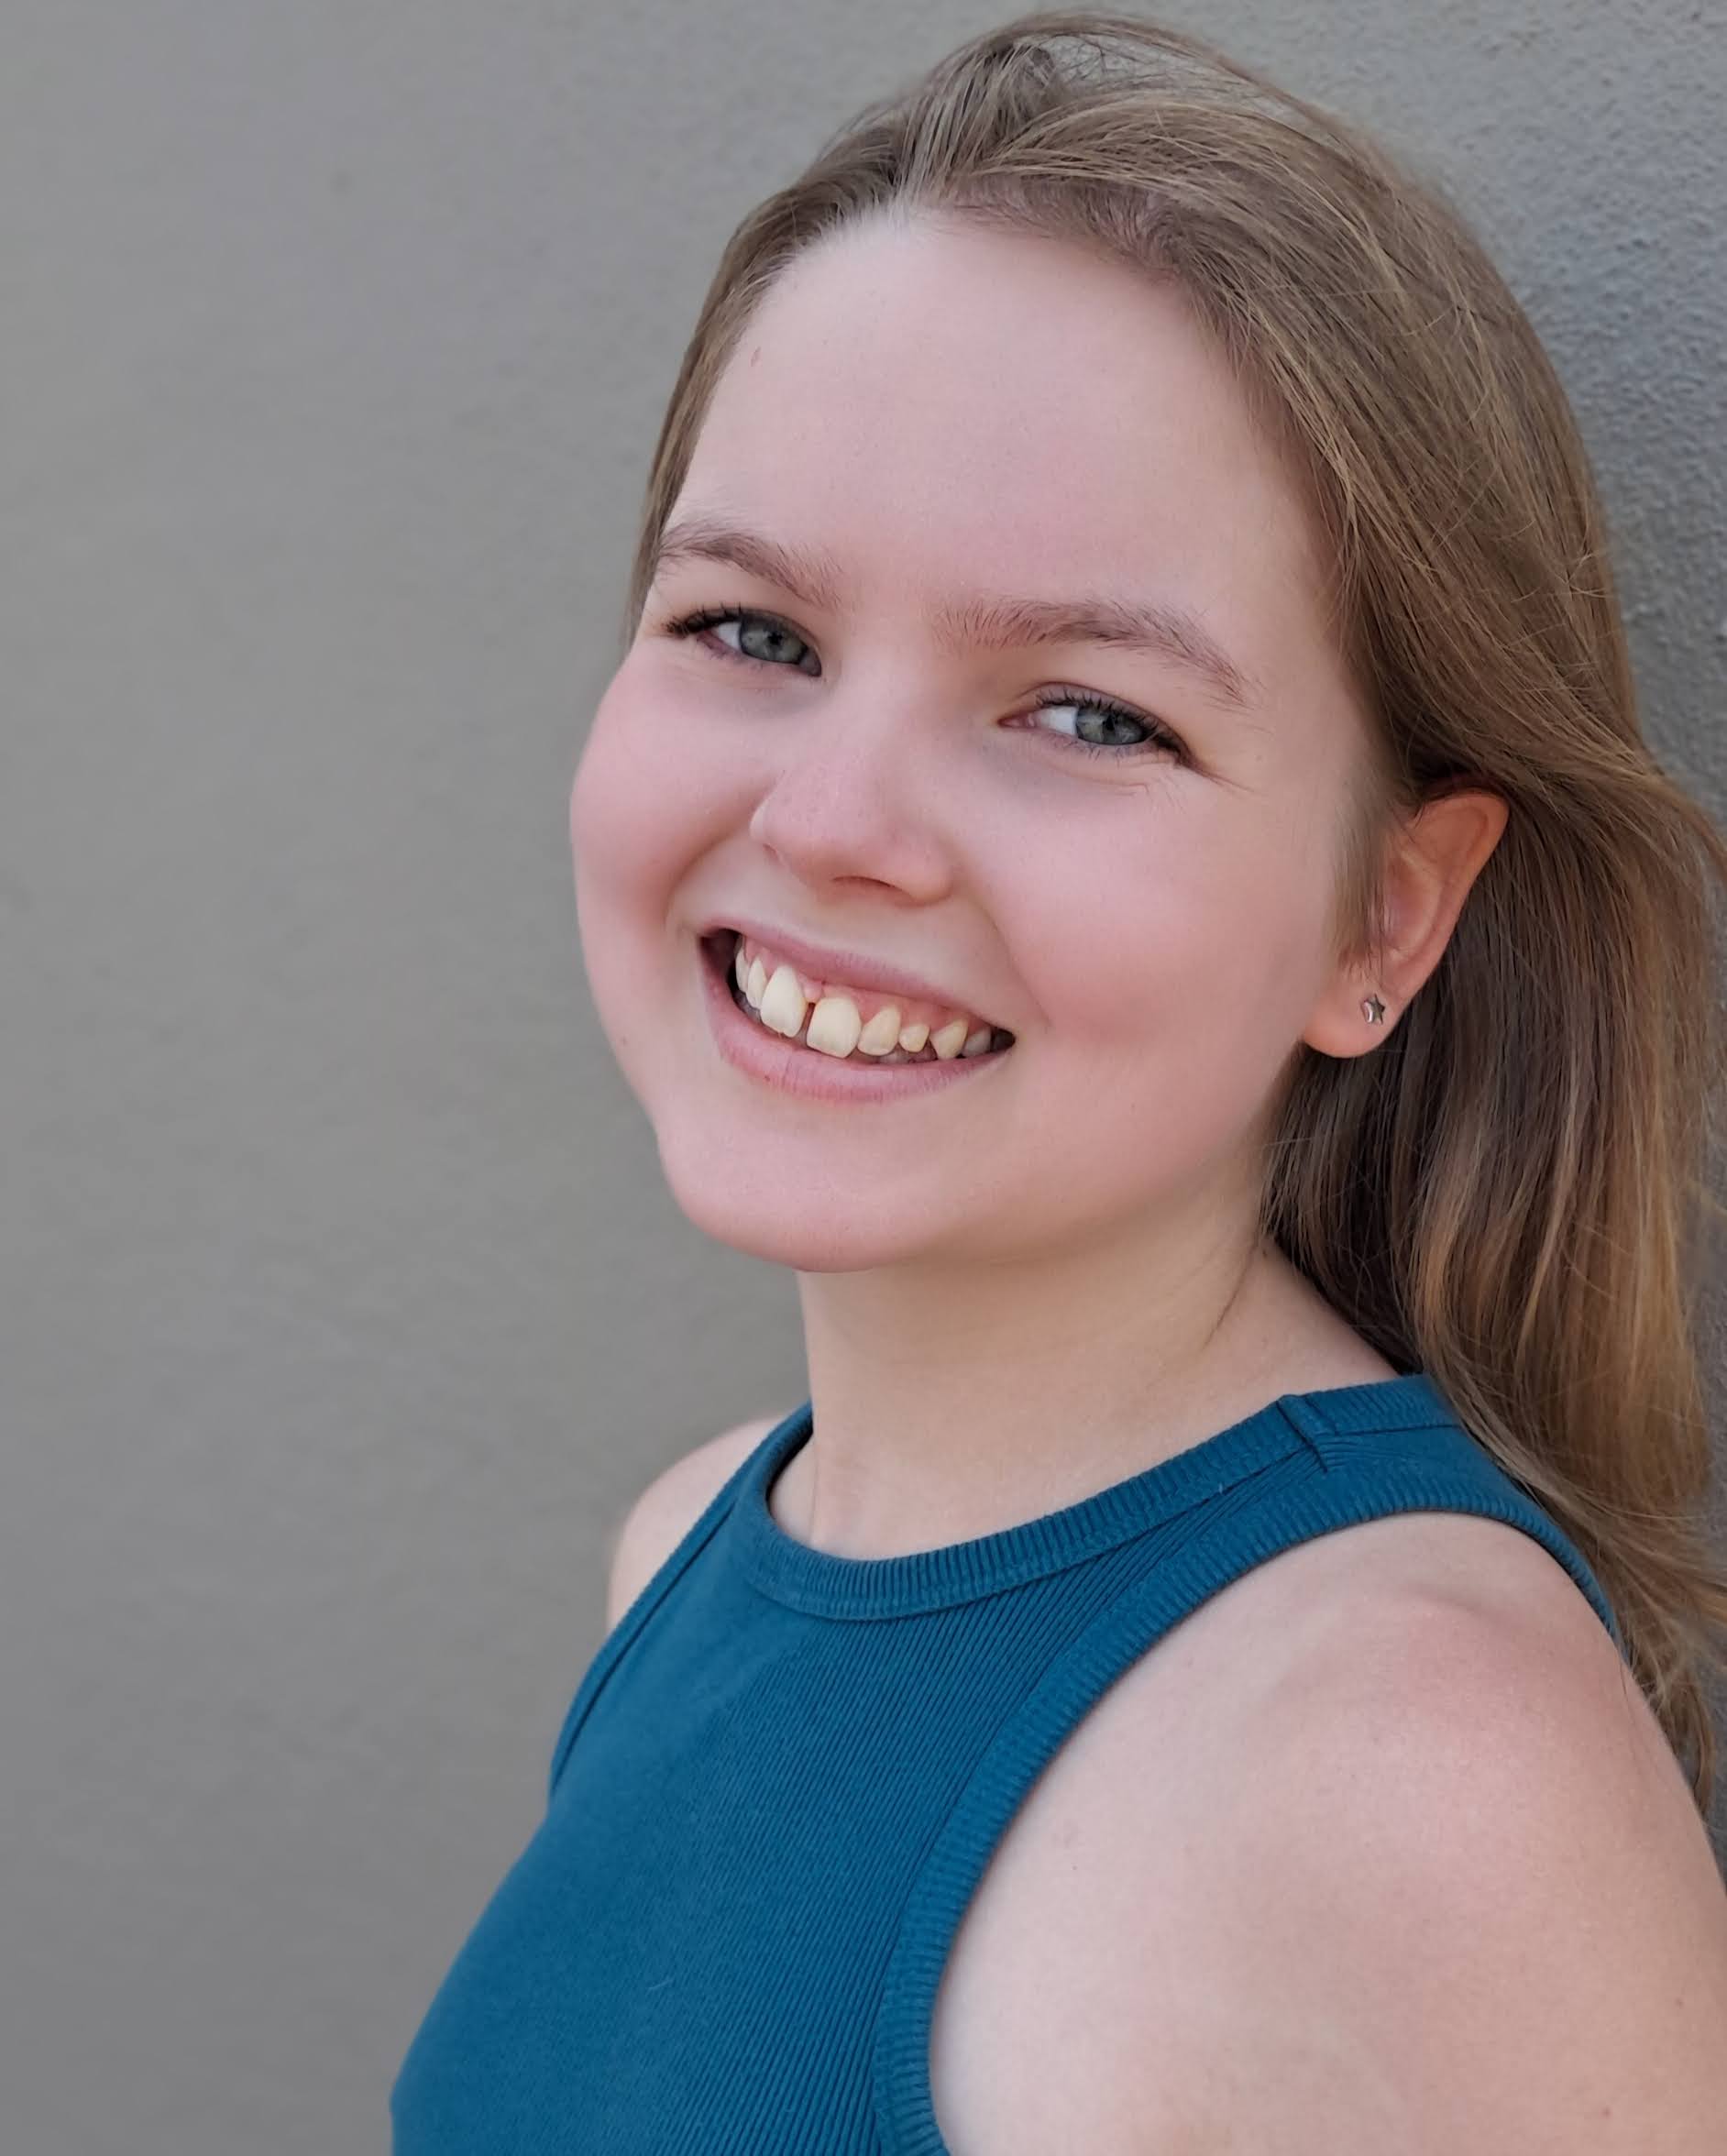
[{"x": 783, "y": 999}]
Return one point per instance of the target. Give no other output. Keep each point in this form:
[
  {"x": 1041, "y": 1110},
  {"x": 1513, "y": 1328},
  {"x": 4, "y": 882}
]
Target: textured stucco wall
[{"x": 338, "y": 1280}]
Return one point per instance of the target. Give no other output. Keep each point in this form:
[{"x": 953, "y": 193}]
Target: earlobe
[{"x": 1343, "y": 1032}]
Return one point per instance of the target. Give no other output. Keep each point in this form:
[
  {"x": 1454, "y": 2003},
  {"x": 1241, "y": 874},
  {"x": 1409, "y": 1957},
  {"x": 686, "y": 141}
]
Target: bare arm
[{"x": 1481, "y": 1918}]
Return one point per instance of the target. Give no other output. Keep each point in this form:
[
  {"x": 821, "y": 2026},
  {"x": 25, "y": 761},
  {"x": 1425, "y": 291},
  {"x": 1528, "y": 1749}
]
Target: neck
[{"x": 953, "y": 1402}]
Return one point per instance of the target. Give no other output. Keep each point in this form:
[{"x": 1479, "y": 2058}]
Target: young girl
[{"x": 1120, "y": 853}]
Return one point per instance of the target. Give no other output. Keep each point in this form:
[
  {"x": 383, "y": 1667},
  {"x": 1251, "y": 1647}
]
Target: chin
[{"x": 785, "y": 1225}]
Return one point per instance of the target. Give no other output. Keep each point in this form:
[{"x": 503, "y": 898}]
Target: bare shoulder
[
  {"x": 1377, "y": 1849},
  {"x": 670, "y": 1506},
  {"x": 1469, "y": 1886}
]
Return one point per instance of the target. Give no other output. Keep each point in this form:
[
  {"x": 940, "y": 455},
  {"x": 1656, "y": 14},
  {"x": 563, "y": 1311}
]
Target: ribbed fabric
[{"x": 785, "y": 1771}]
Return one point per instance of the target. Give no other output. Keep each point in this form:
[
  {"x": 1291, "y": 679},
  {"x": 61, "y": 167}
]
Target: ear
[{"x": 1434, "y": 858}]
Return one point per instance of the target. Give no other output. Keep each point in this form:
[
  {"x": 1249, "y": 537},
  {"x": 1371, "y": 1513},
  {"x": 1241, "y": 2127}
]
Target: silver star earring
[{"x": 1374, "y": 1009}]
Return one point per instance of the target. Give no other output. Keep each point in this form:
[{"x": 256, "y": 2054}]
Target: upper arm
[
  {"x": 1482, "y": 1899},
  {"x": 669, "y": 1507}
]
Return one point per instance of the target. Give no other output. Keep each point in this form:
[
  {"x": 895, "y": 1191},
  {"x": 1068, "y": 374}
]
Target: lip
[
  {"x": 765, "y": 1055},
  {"x": 854, "y": 967}
]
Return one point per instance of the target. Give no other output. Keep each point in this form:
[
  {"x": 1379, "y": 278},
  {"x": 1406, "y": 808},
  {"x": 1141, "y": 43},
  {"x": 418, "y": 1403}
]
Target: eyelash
[{"x": 1163, "y": 741}]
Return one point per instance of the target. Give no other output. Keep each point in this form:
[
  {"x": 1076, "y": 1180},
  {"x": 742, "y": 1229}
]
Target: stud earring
[{"x": 1374, "y": 1009}]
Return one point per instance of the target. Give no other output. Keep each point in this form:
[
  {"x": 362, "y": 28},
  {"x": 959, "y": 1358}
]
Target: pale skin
[
  {"x": 1011, "y": 1295},
  {"x": 1279, "y": 1895}
]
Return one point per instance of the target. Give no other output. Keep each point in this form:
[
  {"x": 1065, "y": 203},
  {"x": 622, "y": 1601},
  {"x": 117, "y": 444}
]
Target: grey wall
[{"x": 343, "y": 1309}]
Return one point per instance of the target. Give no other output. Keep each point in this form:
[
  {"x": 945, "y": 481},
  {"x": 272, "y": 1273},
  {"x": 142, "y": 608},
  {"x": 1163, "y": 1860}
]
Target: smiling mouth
[{"x": 719, "y": 950}]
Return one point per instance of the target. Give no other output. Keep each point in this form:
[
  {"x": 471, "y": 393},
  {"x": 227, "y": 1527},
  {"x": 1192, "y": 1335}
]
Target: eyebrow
[{"x": 1157, "y": 628}]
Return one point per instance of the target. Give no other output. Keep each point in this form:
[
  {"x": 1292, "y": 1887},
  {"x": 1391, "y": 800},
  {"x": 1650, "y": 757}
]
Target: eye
[
  {"x": 763, "y": 640},
  {"x": 769, "y": 639},
  {"x": 1158, "y": 739}
]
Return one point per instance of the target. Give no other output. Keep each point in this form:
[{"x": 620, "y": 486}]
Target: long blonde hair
[{"x": 1510, "y": 1192}]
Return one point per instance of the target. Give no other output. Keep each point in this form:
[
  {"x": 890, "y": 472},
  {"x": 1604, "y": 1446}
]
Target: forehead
[{"x": 993, "y": 410}]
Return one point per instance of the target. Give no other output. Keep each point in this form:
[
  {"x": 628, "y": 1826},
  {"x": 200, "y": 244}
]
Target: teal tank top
[{"x": 785, "y": 1771}]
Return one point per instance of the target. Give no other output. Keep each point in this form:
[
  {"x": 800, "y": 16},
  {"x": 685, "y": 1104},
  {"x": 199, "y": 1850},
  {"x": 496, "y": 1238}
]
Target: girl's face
[{"x": 952, "y": 420}]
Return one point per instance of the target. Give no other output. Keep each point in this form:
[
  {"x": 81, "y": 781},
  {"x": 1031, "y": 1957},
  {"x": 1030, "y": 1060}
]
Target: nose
[{"x": 852, "y": 794}]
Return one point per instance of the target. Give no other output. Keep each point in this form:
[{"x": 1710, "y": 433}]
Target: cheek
[
  {"x": 642, "y": 809},
  {"x": 1134, "y": 923},
  {"x": 625, "y": 853},
  {"x": 649, "y": 801},
  {"x": 1173, "y": 975}
]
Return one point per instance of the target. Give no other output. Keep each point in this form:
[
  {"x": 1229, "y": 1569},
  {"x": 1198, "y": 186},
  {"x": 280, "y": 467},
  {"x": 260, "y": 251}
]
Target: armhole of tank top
[
  {"x": 1110, "y": 1644},
  {"x": 617, "y": 1641}
]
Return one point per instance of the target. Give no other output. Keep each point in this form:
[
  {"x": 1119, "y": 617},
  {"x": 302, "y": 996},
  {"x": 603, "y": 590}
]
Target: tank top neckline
[{"x": 823, "y": 1584}]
